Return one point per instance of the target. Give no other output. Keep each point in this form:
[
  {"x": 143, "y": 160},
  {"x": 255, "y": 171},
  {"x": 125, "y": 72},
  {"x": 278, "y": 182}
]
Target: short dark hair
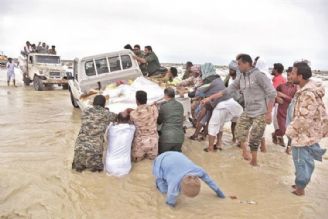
[
  {"x": 303, "y": 69},
  {"x": 169, "y": 92},
  {"x": 137, "y": 46},
  {"x": 99, "y": 100},
  {"x": 174, "y": 71},
  {"x": 245, "y": 58},
  {"x": 127, "y": 46},
  {"x": 124, "y": 119},
  {"x": 10, "y": 59},
  {"x": 149, "y": 48},
  {"x": 141, "y": 97},
  {"x": 279, "y": 67},
  {"x": 27, "y": 42},
  {"x": 189, "y": 63},
  {"x": 53, "y": 46},
  {"x": 289, "y": 69}
]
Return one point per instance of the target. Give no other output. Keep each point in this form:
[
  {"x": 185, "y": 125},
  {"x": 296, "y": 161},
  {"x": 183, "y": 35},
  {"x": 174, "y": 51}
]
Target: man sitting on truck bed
[
  {"x": 153, "y": 66},
  {"x": 89, "y": 145}
]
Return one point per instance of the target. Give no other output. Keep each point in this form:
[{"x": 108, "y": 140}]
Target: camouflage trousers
[
  {"x": 145, "y": 147},
  {"x": 84, "y": 159},
  {"x": 250, "y": 127}
]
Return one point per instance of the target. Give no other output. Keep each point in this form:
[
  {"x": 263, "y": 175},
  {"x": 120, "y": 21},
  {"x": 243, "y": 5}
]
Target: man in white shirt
[
  {"x": 119, "y": 137},
  {"x": 11, "y": 71}
]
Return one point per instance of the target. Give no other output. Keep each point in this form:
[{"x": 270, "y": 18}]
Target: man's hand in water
[{"x": 268, "y": 118}]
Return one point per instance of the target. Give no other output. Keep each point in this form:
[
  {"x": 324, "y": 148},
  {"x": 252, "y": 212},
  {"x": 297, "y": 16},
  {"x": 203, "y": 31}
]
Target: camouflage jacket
[
  {"x": 94, "y": 123},
  {"x": 309, "y": 122}
]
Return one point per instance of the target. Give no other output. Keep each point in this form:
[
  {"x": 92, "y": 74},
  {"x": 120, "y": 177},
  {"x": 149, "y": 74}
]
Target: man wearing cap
[{"x": 175, "y": 173}]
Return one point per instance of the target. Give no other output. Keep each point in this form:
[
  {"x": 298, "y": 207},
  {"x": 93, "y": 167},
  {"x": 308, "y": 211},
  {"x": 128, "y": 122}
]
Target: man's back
[
  {"x": 171, "y": 117},
  {"x": 144, "y": 118},
  {"x": 118, "y": 157}
]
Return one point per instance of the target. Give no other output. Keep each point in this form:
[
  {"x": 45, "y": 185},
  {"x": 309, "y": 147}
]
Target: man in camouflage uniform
[
  {"x": 89, "y": 145},
  {"x": 145, "y": 143},
  {"x": 150, "y": 59},
  {"x": 140, "y": 54}
]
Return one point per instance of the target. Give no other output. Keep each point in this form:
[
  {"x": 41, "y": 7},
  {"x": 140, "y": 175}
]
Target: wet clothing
[
  {"x": 163, "y": 147},
  {"x": 153, "y": 65},
  {"x": 169, "y": 169},
  {"x": 225, "y": 111},
  {"x": 171, "y": 118},
  {"x": 145, "y": 143},
  {"x": 288, "y": 89},
  {"x": 10, "y": 71},
  {"x": 257, "y": 91},
  {"x": 252, "y": 127},
  {"x": 310, "y": 121},
  {"x": 89, "y": 145},
  {"x": 303, "y": 158},
  {"x": 118, "y": 156}
]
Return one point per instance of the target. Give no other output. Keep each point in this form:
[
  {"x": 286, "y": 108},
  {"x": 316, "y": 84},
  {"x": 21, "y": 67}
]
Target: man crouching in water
[
  {"x": 89, "y": 145},
  {"x": 175, "y": 173}
]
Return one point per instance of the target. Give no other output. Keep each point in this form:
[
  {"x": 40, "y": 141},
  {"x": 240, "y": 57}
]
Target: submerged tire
[
  {"x": 26, "y": 80},
  {"x": 74, "y": 103},
  {"x": 37, "y": 84},
  {"x": 65, "y": 86}
]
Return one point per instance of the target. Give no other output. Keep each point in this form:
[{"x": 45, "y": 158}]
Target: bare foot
[
  {"x": 253, "y": 163},
  {"x": 246, "y": 155},
  {"x": 299, "y": 192}
]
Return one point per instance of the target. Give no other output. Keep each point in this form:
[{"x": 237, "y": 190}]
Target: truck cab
[
  {"x": 44, "y": 70},
  {"x": 96, "y": 72}
]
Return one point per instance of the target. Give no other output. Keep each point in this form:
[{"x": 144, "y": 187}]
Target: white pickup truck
[{"x": 96, "y": 72}]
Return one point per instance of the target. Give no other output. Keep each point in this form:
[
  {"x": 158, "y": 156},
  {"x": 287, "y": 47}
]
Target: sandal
[{"x": 194, "y": 138}]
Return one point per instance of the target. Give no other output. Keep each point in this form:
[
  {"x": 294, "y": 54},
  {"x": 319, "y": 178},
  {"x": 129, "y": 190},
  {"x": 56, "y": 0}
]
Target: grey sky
[{"x": 199, "y": 31}]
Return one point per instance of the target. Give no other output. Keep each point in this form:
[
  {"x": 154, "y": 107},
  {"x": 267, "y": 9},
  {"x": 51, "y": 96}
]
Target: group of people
[
  {"x": 40, "y": 48},
  {"x": 248, "y": 98},
  {"x": 147, "y": 60}
]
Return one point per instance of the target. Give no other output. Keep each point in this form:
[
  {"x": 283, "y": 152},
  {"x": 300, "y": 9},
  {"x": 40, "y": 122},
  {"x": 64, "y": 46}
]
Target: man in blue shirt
[{"x": 175, "y": 173}]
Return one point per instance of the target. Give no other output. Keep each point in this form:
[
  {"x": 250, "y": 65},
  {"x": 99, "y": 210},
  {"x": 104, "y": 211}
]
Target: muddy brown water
[{"x": 37, "y": 135}]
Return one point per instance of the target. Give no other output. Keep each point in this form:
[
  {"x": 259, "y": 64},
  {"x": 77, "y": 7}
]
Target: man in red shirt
[{"x": 277, "y": 71}]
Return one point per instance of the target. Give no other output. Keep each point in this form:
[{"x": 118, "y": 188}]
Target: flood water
[{"x": 37, "y": 135}]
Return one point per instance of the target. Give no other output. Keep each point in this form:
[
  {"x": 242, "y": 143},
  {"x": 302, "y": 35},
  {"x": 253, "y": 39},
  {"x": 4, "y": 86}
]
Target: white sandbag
[{"x": 118, "y": 155}]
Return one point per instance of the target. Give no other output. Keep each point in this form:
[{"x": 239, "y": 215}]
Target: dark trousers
[{"x": 163, "y": 147}]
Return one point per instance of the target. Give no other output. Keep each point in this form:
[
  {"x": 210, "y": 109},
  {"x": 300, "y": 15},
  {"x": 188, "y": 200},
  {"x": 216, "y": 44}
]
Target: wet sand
[{"x": 37, "y": 135}]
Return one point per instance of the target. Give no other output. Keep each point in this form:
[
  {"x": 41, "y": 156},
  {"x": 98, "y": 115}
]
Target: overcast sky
[{"x": 199, "y": 31}]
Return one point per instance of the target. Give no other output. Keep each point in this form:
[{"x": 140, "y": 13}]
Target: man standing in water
[
  {"x": 11, "y": 72},
  {"x": 175, "y": 173},
  {"x": 259, "y": 96},
  {"x": 309, "y": 124},
  {"x": 89, "y": 145}
]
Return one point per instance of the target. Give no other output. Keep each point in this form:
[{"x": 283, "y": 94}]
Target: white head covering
[{"x": 233, "y": 65}]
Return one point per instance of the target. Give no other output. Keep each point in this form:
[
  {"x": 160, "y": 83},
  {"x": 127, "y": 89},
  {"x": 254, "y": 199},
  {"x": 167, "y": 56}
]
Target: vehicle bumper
[{"x": 55, "y": 81}]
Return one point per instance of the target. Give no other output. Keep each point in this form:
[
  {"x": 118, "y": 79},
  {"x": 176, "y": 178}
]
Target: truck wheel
[
  {"x": 65, "y": 86},
  {"x": 37, "y": 84},
  {"x": 74, "y": 103},
  {"x": 26, "y": 80}
]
